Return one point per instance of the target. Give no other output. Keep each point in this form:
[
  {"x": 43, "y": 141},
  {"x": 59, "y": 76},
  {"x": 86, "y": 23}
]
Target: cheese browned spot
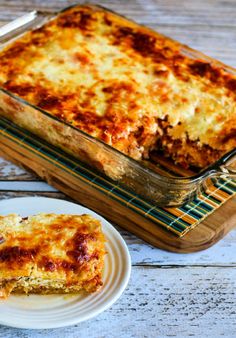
[
  {"x": 50, "y": 253},
  {"x": 124, "y": 84}
]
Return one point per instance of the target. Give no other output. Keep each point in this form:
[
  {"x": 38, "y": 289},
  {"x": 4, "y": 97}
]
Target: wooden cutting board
[{"x": 207, "y": 233}]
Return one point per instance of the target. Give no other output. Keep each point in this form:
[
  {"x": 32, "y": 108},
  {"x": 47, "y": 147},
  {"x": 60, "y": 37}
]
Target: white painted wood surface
[{"x": 169, "y": 295}]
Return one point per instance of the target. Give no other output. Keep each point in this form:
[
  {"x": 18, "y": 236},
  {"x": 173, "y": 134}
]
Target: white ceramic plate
[{"x": 51, "y": 311}]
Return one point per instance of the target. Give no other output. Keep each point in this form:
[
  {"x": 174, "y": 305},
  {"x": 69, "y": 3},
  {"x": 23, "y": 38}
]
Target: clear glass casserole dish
[{"x": 164, "y": 183}]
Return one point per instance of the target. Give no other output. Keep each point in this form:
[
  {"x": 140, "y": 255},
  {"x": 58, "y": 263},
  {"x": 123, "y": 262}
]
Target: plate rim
[{"x": 110, "y": 301}]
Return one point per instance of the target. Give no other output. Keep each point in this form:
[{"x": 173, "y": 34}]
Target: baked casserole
[
  {"x": 50, "y": 253},
  {"x": 124, "y": 84}
]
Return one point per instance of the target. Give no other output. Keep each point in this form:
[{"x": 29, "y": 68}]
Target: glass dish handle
[{"x": 228, "y": 167}]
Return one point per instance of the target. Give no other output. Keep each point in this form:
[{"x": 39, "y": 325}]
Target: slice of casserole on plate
[{"x": 50, "y": 253}]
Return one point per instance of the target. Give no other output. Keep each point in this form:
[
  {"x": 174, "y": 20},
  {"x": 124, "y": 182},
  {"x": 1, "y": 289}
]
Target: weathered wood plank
[
  {"x": 221, "y": 254},
  {"x": 14, "y": 194},
  {"x": 222, "y": 13},
  {"x": 11, "y": 172},
  {"x": 180, "y": 302},
  {"x": 23, "y": 186}
]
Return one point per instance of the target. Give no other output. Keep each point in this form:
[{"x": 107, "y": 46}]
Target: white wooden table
[{"x": 169, "y": 295}]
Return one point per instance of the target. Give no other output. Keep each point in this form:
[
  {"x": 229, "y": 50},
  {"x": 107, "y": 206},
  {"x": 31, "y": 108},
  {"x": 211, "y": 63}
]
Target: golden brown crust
[
  {"x": 51, "y": 252},
  {"x": 119, "y": 81}
]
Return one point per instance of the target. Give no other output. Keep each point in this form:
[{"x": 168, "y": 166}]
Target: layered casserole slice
[
  {"x": 124, "y": 84},
  {"x": 50, "y": 253}
]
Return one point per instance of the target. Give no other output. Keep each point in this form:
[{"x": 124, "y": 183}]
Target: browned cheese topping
[
  {"x": 52, "y": 251},
  {"x": 126, "y": 85}
]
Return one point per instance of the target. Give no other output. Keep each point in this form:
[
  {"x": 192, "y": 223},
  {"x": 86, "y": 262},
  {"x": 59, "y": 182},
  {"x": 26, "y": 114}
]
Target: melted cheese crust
[
  {"x": 50, "y": 253},
  {"x": 126, "y": 85}
]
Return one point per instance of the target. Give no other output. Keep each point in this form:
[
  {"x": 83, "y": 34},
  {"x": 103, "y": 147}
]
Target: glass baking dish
[{"x": 163, "y": 183}]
